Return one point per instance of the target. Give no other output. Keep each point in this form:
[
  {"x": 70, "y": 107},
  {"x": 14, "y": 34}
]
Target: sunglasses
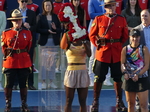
[{"x": 24, "y": 1}]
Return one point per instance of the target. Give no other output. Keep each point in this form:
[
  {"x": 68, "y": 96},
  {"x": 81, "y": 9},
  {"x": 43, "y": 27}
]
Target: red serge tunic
[
  {"x": 24, "y": 41},
  {"x": 111, "y": 52}
]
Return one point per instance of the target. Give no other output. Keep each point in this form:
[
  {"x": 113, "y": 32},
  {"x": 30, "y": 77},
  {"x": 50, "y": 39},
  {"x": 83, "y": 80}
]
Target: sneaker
[
  {"x": 52, "y": 85},
  {"x": 1, "y": 88},
  {"x": 57, "y": 70},
  {"x": 91, "y": 83},
  {"x": 43, "y": 85},
  {"x": 107, "y": 82}
]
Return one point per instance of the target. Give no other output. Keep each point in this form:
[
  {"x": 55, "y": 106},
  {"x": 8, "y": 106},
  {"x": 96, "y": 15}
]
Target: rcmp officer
[
  {"x": 16, "y": 43},
  {"x": 108, "y": 33}
]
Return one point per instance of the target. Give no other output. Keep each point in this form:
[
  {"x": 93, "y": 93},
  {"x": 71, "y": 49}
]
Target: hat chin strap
[
  {"x": 110, "y": 15},
  {"x": 17, "y": 29}
]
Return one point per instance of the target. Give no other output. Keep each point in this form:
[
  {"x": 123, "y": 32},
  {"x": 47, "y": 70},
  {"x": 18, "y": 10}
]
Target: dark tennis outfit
[{"x": 135, "y": 60}]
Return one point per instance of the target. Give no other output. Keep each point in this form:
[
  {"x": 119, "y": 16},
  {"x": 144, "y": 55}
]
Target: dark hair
[
  {"x": 137, "y": 8},
  {"x": 44, "y": 12},
  {"x": 80, "y": 13}
]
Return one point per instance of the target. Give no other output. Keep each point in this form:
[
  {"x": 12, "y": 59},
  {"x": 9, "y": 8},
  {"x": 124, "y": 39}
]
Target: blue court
[{"x": 54, "y": 101}]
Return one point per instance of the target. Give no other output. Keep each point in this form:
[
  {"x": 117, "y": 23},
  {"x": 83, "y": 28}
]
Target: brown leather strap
[
  {"x": 19, "y": 50},
  {"x": 76, "y": 63}
]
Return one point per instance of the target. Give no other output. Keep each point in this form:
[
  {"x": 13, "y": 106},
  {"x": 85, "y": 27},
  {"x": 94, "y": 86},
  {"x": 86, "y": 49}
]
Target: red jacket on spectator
[
  {"x": 84, "y": 5},
  {"x": 34, "y": 7},
  {"x": 3, "y": 5},
  {"x": 57, "y": 7},
  {"x": 144, "y": 4},
  {"x": 119, "y": 7}
]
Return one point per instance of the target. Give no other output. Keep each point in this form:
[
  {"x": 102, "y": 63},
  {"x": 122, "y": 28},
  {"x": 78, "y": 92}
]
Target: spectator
[
  {"x": 16, "y": 42},
  {"x": 3, "y": 5},
  {"x": 144, "y": 4},
  {"x": 57, "y": 6},
  {"x": 34, "y": 7},
  {"x": 119, "y": 6},
  {"x": 79, "y": 11},
  {"x": 49, "y": 28},
  {"x": 76, "y": 76},
  {"x": 2, "y": 27},
  {"x": 108, "y": 33},
  {"x": 84, "y": 5},
  {"x": 135, "y": 63},
  {"x": 132, "y": 15}
]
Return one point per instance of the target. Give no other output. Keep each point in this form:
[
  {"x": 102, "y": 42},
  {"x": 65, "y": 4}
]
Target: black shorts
[
  {"x": 139, "y": 86},
  {"x": 100, "y": 70}
]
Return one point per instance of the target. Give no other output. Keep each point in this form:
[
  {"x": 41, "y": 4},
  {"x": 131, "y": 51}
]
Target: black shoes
[
  {"x": 8, "y": 107},
  {"x": 24, "y": 108},
  {"x": 31, "y": 88},
  {"x": 95, "y": 106},
  {"x": 120, "y": 106}
]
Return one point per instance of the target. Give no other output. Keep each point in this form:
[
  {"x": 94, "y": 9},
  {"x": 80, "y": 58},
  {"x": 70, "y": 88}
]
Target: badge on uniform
[
  {"x": 24, "y": 35},
  {"x": 93, "y": 24},
  {"x": 2, "y": 43}
]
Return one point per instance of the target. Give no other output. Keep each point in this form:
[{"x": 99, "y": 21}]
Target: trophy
[{"x": 131, "y": 69}]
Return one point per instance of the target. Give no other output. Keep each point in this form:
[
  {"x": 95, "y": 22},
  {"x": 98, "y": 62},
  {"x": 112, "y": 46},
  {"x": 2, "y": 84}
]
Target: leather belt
[
  {"x": 112, "y": 40},
  {"x": 19, "y": 51},
  {"x": 76, "y": 63}
]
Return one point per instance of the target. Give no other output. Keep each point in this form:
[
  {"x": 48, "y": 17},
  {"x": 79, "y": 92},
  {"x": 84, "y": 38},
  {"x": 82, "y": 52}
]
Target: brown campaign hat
[
  {"x": 16, "y": 14},
  {"x": 107, "y": 2}
]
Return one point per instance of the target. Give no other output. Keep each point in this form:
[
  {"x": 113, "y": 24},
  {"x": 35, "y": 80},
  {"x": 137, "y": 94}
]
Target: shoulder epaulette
[{"x": 7, "y": 29}]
